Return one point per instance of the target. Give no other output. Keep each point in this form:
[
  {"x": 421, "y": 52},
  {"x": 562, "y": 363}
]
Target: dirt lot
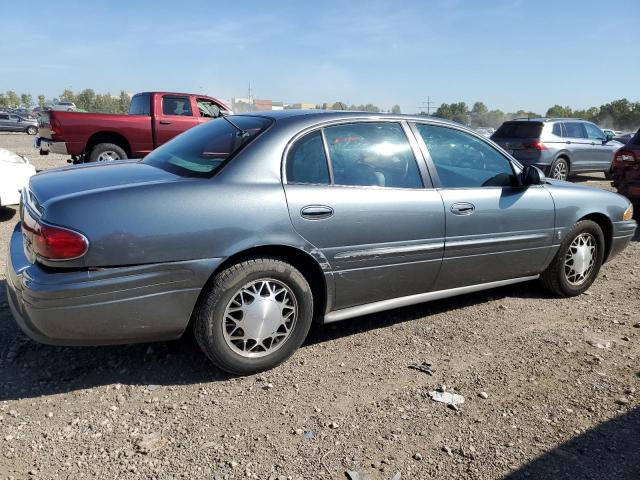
[{"x": 556, "y": 406}]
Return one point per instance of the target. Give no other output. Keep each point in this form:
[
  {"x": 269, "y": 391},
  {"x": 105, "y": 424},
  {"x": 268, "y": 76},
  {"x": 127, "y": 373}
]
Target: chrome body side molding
[{"x": 383, "y": 305}]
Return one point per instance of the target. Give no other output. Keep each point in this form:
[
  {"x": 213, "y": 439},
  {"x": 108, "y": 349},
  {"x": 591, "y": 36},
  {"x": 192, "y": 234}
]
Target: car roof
[
  {"x": 548, "y": 119},
  {"x": 314, "y": 116}
]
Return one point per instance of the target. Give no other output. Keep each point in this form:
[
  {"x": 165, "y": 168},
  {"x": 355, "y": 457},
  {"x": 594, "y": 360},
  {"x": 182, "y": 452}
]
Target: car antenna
[{"x": 233, "y": 124}]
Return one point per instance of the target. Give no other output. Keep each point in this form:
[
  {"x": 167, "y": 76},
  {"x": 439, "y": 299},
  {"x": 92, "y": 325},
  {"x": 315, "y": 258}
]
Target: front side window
[
  {"x": 201, "y": 151},
  {"x": 306, "y": 161},
  {"x": 208, "y": 108},
  {"x": 372, "y": 154},
  {"x": 464, "y": 161},
  {"x": 575, "y": 130},
  {"x": 593, "y": 132},
  {"x": 176, "y": 106}
]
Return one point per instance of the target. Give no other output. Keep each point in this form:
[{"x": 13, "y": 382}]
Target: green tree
[
  {"x": 68, "y": 96},
  {"x": 86, "y": 99},
  {"x": 26, "y": 100},
  {"x": 458, "y": 112},
  {"x": 559, "y": 111},
  {"x": 396, "y": 109},
  {"x": 13, "y": 100},
  {"x": 41, "y": 100},
  {"x": 369, "y": 107},
  {"x": 339, "y": 106},
  {"x": 123, "y": 102},
  {"x": 4, "y": 103}
]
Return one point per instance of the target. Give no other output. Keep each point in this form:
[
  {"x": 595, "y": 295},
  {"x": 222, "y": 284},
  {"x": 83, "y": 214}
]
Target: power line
[{"x": 427, "y": 105}]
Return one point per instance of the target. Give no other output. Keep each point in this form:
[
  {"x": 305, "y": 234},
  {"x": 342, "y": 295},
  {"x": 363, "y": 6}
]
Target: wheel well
[
  {"x": 107, "y": 137},
  {"x": 607, "y": 229},
  {"x": 565, "y": 158},
  {"x": 300, "y": 259}
]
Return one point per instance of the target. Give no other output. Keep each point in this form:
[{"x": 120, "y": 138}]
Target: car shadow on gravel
[
  {"x": 29, "y": 369},
  {"x": 608, "y": 451},
  {"x": 7, "y": 213}
]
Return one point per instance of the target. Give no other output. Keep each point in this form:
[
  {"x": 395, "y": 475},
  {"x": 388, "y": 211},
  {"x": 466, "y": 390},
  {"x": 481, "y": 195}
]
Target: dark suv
[{"x": 558, "y": 146}]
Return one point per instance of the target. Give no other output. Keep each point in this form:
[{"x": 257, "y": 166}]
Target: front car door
[
  {"x": 357, "y": 192},
  {"x": 600, "y": 153},
  {"x": 495, "y": 229},
  {"x": 578, "y": 145},
  {"x": 175, "y": 116}
]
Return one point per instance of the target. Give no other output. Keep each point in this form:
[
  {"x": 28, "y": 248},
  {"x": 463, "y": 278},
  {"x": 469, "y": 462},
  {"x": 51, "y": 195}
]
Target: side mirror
[
  {"x": 532, "y": 176},
  {"x": 607, "y": 138}
]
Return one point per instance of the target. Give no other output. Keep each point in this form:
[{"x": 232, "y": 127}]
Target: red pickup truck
[{"x": 153, "y": 119}]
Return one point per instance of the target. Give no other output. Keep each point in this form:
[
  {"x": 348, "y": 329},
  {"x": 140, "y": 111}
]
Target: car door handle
[
  {"x": 165, "y": 122},
  {"x": 462, "y": 208},
  {"x": 568, "y": 142},
  {"x": 316, "y": 212}
]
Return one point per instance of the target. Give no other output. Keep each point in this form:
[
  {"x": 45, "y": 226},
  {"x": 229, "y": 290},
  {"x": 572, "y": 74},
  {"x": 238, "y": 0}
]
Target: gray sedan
[{"x": 250, "y": 227}]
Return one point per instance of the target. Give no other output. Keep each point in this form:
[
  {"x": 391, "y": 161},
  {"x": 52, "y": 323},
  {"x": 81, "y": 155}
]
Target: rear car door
[
  {"x": 4, "y": 122},
  {"x": 578, "y": 146},
  {"x": 495, "y": 229},
  {"x": 600, "y": 153},
  {"x": 357, "y": 192},
  {"x": 175, "y": 116}
]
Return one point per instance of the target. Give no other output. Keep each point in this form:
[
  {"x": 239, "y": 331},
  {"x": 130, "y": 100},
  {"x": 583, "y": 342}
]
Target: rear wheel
[
  {"x": 559, "y": 169},
  {"x": 577, "y": 262},
  {"x": 608, "y": 174},
  {"x": 31, "y": 130},
  {"x": 254, "y": 315},
  {"x": 107, "y": 152}
]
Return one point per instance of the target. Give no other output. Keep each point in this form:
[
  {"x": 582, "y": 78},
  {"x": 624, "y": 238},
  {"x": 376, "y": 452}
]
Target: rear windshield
[
  {"x": 519, "y": 130},
  {"x": 140, "y": 104},
  {"x": 201, "y": 151}
]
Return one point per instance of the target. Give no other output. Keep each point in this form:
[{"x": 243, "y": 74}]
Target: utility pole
[
  {"x": 250, "y": 97},
  {"x": 427, "y": 105}
]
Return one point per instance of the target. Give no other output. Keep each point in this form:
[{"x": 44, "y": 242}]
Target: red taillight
[
  {"x": 53, "y": 243},
  {"x": 624, "y": 156},
  {"x": 536, "y": 145}
]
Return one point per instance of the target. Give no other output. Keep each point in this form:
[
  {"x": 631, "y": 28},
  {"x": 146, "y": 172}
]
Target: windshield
[{"x": 201, "y": 151}]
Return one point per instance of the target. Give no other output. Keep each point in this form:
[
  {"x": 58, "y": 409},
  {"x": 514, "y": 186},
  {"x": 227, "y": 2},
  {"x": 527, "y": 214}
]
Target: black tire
[
  {"x": 562, "y": 164},
  {"x": 608, "y": 174},
  {"x": 102, "y": 148},
  {"x": 554, "y": 277},
  {"x": 209, "y": 315},
  {"x": 31, "y": 130}
]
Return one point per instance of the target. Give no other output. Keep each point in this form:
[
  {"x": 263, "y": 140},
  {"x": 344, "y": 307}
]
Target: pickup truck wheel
[
  {"x": 578, "y": 261},
  {"x": 107, "y": 152},
  {"x": 254, "y": 315},
  {"x": 32, "y": 130}
]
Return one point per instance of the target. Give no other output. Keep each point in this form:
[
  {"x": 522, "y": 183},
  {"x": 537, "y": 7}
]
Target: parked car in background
[
  {"x": 63, "y": 107},
  {"x": 624, "y": 138},
  {"x": 10, "y": 122},
  {"x": 23, "y": 112},
  {"x": 154, "y": 118},
  {"x": 626, "y": 169},
  {"x": 485, "y": 131},
  {"x": 251, "y": 226},
  {"x": 15, "y": 172},
  {"x": 558, "y": 146}
]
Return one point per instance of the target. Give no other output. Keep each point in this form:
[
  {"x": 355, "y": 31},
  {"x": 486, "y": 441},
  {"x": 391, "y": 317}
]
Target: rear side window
[
  {"x": 557, "y": 129},
  {"x": 372, "y": 154},
  {"x": 201, "y": 151},
  {"x": 140, "y": 104},
  {"x": 575, "y": 130},
  {"x": 519, "y": 130},
  {"x": 306, "y": 161},
  {"x": 176, "y": 106}
]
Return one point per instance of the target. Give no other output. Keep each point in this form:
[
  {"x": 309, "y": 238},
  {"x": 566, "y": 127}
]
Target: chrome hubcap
[
  {"x": 560, "y": 171},
  {"x": 260, "y": 318},
  {"x": 580, "y": 258},
  {"x": 108, "y": 156}
]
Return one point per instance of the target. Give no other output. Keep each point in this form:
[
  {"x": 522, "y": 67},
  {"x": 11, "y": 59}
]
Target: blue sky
[{"x": 508, "y": 53}]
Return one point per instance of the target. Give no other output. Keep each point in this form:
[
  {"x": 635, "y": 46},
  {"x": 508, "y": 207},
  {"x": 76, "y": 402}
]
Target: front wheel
[
  {"x": 578, "y": 261},
  {"x": 32, "y": 130},
  {"x": 254, "y": 315}
]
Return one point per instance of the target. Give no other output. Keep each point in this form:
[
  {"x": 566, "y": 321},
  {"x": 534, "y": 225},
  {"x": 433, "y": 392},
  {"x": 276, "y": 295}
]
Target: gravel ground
[{"x": 557, "y": 405}]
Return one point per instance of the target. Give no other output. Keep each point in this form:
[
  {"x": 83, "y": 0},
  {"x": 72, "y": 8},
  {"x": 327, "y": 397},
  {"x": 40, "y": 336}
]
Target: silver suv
[{"x": 558, "y": 146}]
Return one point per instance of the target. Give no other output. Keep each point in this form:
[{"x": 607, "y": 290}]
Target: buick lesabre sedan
[{"x": 250, "y": 227}]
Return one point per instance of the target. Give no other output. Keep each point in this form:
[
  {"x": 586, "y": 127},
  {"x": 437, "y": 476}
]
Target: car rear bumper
[
  {"x": 107, "y": 306},
  {"x": 623, "y": 232},
  {"x": 46, "y": 145}
]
